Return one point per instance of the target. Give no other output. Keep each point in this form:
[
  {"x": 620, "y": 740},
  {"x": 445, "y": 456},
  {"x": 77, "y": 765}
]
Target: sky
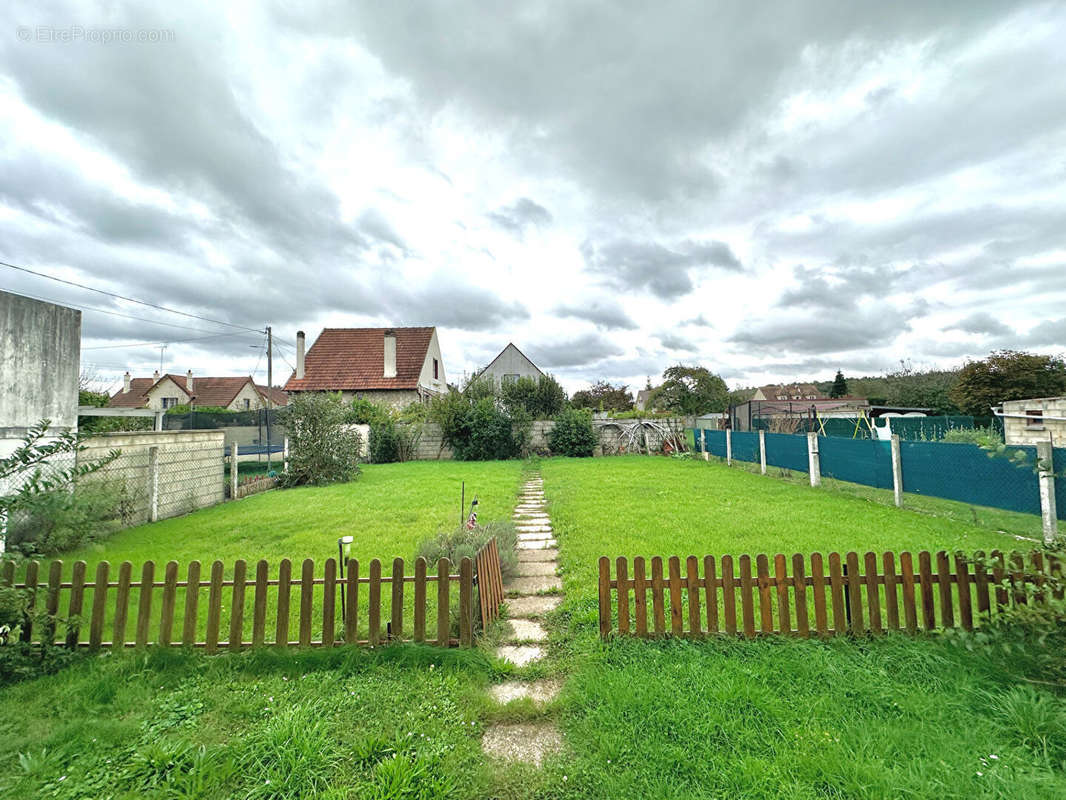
[{"x": 773, "y": 191}]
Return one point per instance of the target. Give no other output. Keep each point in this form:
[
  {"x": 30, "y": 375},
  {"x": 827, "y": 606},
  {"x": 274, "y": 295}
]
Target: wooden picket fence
[
  {"x": 851, "y": 597},
  {"x": 489, "y": 581},
  {"x": 111, "y": 603}
]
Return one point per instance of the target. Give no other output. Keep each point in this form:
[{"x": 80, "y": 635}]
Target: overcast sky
[{"x": 773, "y": 191}]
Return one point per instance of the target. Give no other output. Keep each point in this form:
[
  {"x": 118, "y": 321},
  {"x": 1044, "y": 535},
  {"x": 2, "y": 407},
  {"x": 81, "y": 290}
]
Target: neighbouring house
[
  {"x": 1036, "y": 420},
  {"x": 644, "y": 399},
  {"x": 160, "y": 392},
  {"x": 771, "y": 406},
  {"x": 788, "y": 391},
  {"x": 510, "y": 365},
  {"x": 394, "y": 366}
]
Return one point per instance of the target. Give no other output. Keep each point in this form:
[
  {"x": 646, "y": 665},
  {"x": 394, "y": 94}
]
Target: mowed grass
[
  {"x": 847, "y": 718},
  {"x": 389, "y": 510},
  {"x": 638, "y": 506}
]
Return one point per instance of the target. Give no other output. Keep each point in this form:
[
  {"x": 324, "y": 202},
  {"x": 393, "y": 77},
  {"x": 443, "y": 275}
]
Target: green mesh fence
[
  {"x": 857, "y": 460},
  {"x": 962, "y": 472}
]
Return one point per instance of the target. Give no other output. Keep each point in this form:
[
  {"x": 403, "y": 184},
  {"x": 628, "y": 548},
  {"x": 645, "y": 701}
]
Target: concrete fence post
[
  {"x": 762, "y": 451},
  {"x": 703, "y": 444},
  {"x": 815, "y": 467},
  {"x": 159, "y": 420},
  {"x": 233, "y": 471},
  {"x": 153, "y": 483},
  {"x": 1048, "y": 512},
  {"x": 285, "y": 455},
  {"x": 729, "y": 447},
  {"x": 897, "y": 470}
]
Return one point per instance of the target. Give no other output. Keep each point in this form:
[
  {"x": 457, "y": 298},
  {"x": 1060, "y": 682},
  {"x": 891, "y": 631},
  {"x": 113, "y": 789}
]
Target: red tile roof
[
  {"x": 279, "y": 397},
  {"x": 207, "y": 390},
  {"x": 134, "y": 398},
  {"x": 353, "y": 359}
]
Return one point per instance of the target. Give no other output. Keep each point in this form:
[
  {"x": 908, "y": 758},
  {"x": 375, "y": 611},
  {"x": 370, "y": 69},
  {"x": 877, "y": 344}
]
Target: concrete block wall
[
  {"x": 1019, "y": 431},
  {"x": 190, "y": 470}
]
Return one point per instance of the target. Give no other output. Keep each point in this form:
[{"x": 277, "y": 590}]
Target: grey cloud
[
  {"x": 982, "y": 322},
  {"x": 874, "y": 327},
  {"x": 666, "y": 272},
  {"x": 580, "y": 351},
  {"x": 521, "y": 214},
  {"x": 453, "y": 305},
  {"x": 609, "y": 316},
  {"x": 1050, "y": 334},
  {"x": 673, "y": 341}
]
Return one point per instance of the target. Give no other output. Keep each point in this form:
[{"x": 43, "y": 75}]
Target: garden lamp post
[{"x": 344, "y": 552}]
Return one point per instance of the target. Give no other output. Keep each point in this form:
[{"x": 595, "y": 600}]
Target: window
[
  {"x": 436, "y": 370},
  {"x": 1034, "y": 418},
  {"x": 170, "y": 402},
  {"x": 510, "y": 378},
  {"x": 247, "y": 404}
]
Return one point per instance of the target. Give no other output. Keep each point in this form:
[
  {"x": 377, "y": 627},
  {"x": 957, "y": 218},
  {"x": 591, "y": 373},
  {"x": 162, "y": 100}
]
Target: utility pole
[{"x": 270, "y": 388}]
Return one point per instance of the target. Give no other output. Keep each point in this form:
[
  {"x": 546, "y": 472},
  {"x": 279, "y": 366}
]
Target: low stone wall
[{"x": 187, "y": 466}]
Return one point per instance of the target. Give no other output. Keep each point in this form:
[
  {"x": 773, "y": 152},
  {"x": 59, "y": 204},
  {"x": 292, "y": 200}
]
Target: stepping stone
[
  {"x": 534, "y": 537},
  {"x": 525, "y": 569},
  {"x": 532, "y": 527},
  {"x": 534, "y": 584},
  {"x": 542, "y": 691},
  {"x": 525, "y": 742},
  {"x": 538, "y": 544},
  {"x": 534, "y": 605},
  {"x": 520, "y": 654},
  {"x": 533, "y": 517},
  {"x": 526, "y": 630},
  {"x": 528, "y": 556}
]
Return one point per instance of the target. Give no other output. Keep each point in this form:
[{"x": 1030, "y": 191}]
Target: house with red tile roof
[
  {"x": 395, "y": 366},
  {"x": 235, "y": 393}
]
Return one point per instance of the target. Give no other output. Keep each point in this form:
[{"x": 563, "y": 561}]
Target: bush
[
  {"x": 323, "y": 448},
  {"x": 477, "y": 428},
  {"x": 394, "y": 436},
  {"x": 542, "y": 398},
  {"x": 980, "y": 436},
  {"x": 65, "y": 518},
  {"x": 461, "y": 543},
  {"x": 573, "y": 434}
]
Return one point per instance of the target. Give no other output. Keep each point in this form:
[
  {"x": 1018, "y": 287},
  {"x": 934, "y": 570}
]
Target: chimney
[
  {"x": 126, "y": 382},
  {"x": 155, "y": 375},
  {"x": 390, "y": 354},
  {"x": 299, "y": 355},
  {"x": 188, "y": 381}
]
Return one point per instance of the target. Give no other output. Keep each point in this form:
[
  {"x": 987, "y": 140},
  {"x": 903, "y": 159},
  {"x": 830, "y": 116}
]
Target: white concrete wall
[
  {"x": 1018, "y": 431},
  {"x": 40, "y": 349},
  {"x": 396, "y": 398},
  {"x": 167, "y": 388},
  {"x": 247, "y": 392},
  {"x": 190, "y": 469}
]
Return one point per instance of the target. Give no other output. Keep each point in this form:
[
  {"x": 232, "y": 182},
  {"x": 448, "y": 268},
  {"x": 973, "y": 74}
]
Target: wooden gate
[{"x": 489, "y": 580}]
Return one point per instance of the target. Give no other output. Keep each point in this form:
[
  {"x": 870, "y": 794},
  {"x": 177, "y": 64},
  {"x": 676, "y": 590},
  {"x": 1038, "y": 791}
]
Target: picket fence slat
[
  {"x": 865, "y": 593},
  {"x": 154, "y": 607}
]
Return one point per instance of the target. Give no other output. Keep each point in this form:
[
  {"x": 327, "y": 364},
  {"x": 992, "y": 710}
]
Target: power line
[
  {"x": 157, "y": 344},
  {"x": 127, "y": 299},
  {"x": 81, "y": 307}
]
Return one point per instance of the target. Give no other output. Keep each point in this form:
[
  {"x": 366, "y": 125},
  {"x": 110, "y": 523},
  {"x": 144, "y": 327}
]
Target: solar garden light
[{"x": 344, "y": 552}]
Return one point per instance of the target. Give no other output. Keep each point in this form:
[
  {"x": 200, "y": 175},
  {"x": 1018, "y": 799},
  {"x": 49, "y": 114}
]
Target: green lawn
[
  {"x": 389, "y": 510},
  {"x": 872, "y": 718},
  {"x": 866, "y": 718}
]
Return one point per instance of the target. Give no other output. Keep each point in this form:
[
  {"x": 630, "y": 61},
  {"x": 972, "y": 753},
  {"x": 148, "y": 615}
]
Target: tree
[
  {"x": 840, "y": 386},
  {"x": 603, "y": 396},
  {"x": 1007, "y": 375},
  {"x": 691, "y": 391}
]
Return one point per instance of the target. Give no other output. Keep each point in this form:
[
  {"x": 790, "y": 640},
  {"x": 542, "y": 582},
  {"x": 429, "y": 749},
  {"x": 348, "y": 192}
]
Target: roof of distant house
[
  {"x": 278, "y": 397},
  {"x": 353, "y": 359},
  {"x": 207, "y": 391}
]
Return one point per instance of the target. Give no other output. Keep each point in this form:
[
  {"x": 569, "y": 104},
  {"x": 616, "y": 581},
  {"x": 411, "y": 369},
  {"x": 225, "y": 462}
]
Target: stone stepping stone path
[{"x": 528, "y": 599}]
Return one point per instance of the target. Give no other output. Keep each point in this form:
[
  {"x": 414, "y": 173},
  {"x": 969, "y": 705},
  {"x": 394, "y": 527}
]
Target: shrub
[
  {"x": 477, "y": 428},
  {"x": 542, "y": 398},
  {"x": 323, "y": 448},
  {"x": 980, "y": 436},
  {"x": 65, "y": 518},
  {"x": 394, "y": 436},
  {"x": 462, "y": 543},
  {"x": 573, "y": 434}
]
